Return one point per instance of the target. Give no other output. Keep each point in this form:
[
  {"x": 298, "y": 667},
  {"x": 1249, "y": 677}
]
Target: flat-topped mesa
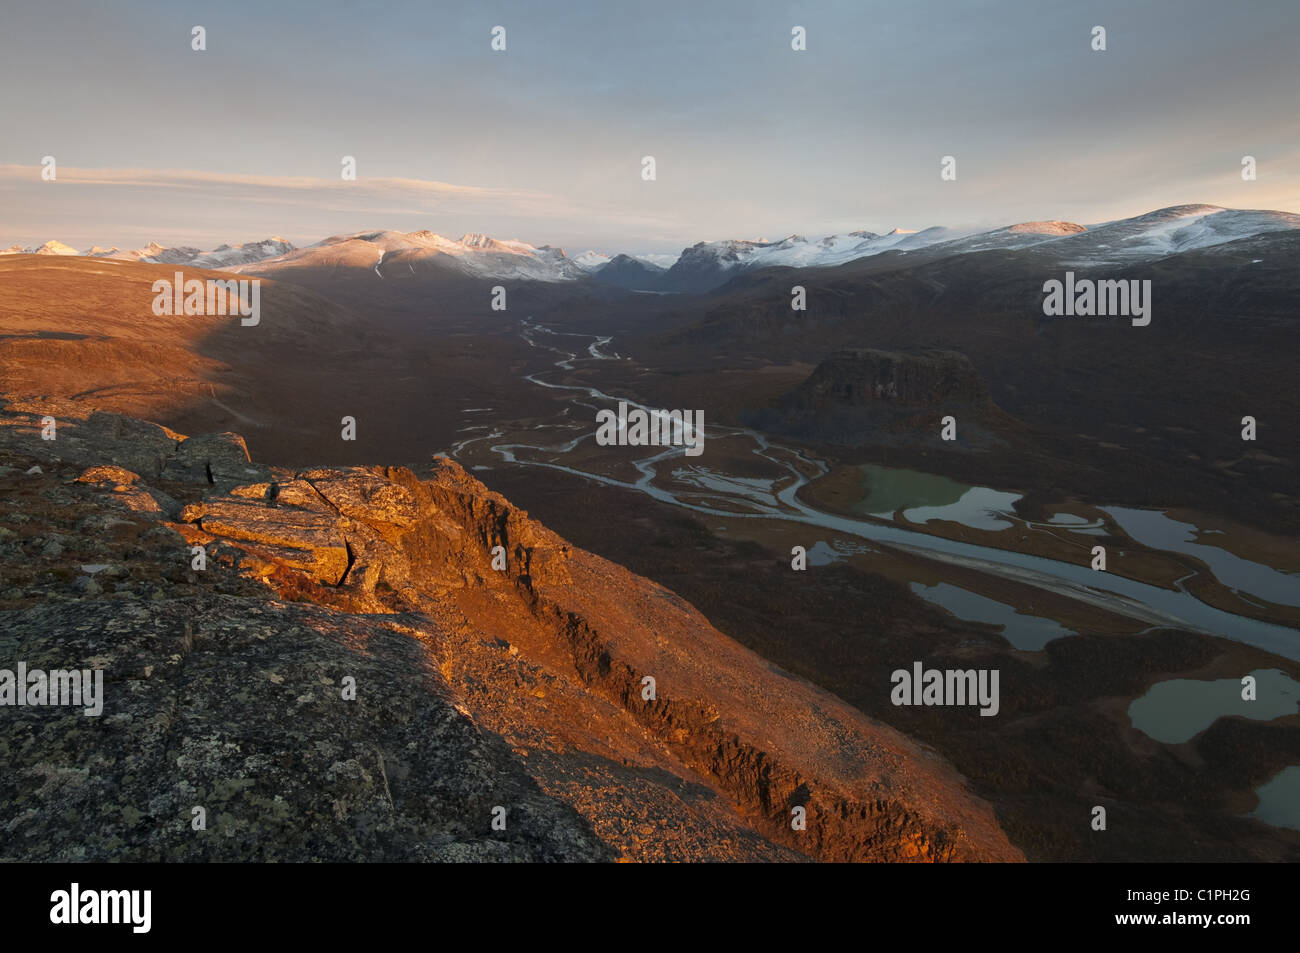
[
  {"x": 857, "y": 376},
  {"x": 871, "y": 396}
]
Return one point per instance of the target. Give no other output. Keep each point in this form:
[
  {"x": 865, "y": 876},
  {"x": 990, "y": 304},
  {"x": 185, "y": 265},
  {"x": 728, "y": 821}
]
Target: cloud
[
  {"x": 95, "y": 205},
  {"x": 183, "y": 179}
]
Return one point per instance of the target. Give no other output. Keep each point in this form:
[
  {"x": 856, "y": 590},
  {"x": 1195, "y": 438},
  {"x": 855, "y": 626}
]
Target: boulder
[
  {"x": 215, "y": 458},
  {"x": 108, "y": 474}
]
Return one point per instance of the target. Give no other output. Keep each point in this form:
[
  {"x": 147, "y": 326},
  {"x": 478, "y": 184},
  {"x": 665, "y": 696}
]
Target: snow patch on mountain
[
  {"x": 1142, "y": 238},
  {"x": 55, "y": 248},
  {"x": 1170, "y": 231},
  {"x": 659, "y": 260},
  {"x": 594, "y": 261},
  {"x": 154, "y": 253},
  {"x": 223, "y": 256},
  {"x": 591, "y": 261},
  {"x": 472, "y": 254},
  {"x": 797, "y": 251}
]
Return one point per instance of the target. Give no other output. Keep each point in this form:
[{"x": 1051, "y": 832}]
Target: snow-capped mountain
[
  {"x": 154, "y": 253},
  {"x": 1169, "y": 231},
  {"x": 591, "y": 261},
  {"x": 658, "y": 260},
  {"x": 55, "y": 248},
  {"x": 147, "y": 253},
  {"x": 49, "y": 248},
  {"x": 1142, "y": 238},
  {"x": 392, "y": 252},
  {"x": 594, "y": 261},
  {"x": 1009, "y": 237},
  {"x": 223, "y": 256},
  {"x": 706, "y": 265},
  {"x": 799, "y": 252}
]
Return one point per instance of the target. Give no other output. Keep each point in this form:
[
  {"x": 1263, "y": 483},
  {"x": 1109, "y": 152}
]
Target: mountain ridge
[{"x": 706, "y": 265}]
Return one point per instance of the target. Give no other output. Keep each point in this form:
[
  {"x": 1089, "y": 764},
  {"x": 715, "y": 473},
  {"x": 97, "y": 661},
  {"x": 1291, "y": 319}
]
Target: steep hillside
[
  {"x": 528, "y": 681},
  {"x": 85, "y": 329}
]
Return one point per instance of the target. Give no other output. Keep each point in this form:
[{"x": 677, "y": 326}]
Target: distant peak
[
  {"x": 56, "y": 248},
  {"x": 1054, "y": 227}
]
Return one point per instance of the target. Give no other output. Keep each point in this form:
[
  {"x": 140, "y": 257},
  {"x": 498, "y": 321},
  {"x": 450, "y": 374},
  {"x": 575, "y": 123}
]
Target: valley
[
  {"x": 821, "y": 449},
  {"x": 747, "y": 490}
]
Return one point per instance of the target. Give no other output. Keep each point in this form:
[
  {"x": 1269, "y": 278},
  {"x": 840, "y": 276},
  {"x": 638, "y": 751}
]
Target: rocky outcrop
[
  {"x": 869, "y": 396},
  {"x": 220, "y": 459},
  {"x": 229, "y": 713},
  {"x": 99, "y": 439},
  {"x": 495, "y": 666}
]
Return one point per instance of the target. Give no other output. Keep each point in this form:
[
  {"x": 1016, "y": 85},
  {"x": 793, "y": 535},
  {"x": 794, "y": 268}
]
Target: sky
[{"x": 544, "y": 141}]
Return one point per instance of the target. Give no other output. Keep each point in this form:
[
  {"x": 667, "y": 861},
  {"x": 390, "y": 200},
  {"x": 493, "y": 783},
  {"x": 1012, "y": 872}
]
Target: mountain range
[
  {"x": 222, "y": 256},
  {"x": 705, "y": 266}
]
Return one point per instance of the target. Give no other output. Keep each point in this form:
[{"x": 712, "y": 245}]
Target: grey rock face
[
  {"x": 220, "y": 459},
  {"x": 236, "y": 706}
]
